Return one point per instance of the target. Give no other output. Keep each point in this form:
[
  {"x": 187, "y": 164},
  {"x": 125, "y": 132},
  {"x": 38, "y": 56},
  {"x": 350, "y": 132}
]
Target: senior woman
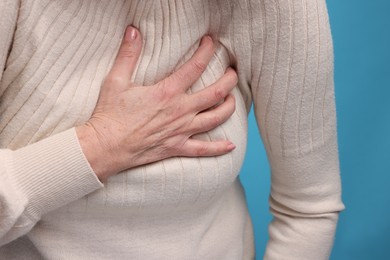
[{"x": 137, "y": 155}]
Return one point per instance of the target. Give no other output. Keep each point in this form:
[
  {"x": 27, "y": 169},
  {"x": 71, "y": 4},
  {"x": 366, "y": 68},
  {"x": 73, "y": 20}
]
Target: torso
[{"x": 62, "y": 93}]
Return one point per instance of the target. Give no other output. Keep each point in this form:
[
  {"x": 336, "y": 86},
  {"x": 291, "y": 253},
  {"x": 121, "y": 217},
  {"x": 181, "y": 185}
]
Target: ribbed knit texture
[{"x": 54, "y": 56}]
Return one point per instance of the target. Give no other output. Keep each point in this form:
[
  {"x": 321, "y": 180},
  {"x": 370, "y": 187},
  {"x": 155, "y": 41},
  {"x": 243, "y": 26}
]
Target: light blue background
[{"x": 361, "y": 35}]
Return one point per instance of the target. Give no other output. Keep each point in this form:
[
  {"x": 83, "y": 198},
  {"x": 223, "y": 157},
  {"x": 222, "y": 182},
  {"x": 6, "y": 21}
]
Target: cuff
[{"x": 53, "y": 172}]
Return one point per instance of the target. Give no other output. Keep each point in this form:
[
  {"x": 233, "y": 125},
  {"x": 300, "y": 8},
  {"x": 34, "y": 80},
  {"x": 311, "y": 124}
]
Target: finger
[
  {"x": 128, "y": 54},
  {"x": 210, "y": 119},
  {"x": 191, "y": 71},
  {"x": 196, "y": 148},
  {"x": 215, "y": 93}
]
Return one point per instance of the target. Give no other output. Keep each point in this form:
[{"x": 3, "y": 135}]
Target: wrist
[{"x": 94, "y": 152}]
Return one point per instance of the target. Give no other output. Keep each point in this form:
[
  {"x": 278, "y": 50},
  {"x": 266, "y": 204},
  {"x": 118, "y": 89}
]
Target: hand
[{"x": 135, "y": 125}]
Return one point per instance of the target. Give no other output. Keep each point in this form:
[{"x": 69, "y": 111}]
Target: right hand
[{"x": 134, "y": 125}]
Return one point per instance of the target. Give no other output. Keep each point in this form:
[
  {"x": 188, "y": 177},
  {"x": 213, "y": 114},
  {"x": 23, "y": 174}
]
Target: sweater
[{"x": 54, "y": 56}]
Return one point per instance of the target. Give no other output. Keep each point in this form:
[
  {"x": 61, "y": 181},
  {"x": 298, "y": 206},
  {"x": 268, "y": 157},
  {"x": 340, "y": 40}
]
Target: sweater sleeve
[
  {"x": 40, "y": 177},
  {"x": 8, "y": 17},
  {"x": 294, "y": 102}
]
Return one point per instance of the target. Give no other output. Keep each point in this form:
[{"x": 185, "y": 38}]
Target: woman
[{"x": 56, "y": 55}]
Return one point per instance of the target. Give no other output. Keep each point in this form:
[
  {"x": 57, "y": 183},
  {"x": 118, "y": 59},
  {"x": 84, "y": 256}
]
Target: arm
[
  {"x": 40, "y": 177},
  {"x": 295, "y": 109}
]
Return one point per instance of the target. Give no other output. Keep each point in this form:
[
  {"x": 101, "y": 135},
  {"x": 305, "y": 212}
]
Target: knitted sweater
[{"x": 54, "y": 56}]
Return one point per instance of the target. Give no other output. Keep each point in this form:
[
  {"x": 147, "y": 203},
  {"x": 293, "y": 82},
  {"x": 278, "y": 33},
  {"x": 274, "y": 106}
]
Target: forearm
[
  {"x": 39, "y": 178},
  {"x": 305, "y": 202}
]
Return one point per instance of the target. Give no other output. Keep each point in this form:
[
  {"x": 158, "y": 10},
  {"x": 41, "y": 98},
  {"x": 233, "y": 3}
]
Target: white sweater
[{"x": 54, "y": 55}]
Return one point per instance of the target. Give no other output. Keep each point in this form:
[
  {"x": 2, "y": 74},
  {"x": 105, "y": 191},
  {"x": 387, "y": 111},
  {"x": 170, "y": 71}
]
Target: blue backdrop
[{"x": 361, "y": 36}]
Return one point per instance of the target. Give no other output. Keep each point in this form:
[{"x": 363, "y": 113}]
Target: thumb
[{"x": 128, "y": 54}]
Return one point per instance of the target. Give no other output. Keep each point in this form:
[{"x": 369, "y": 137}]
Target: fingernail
[
  {"x": 209, "y": 37},
  {"x": 231, "y": 146},
  {"x": 131, "y": 33},
  {"x": 206, "y": 37}
]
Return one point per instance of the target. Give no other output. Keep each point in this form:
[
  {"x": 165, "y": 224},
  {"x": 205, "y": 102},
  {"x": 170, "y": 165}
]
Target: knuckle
[
  {"x": 179, "y": 76},
  {"x": 202, "y": 150},
  {"x": 219, "y": 93},
  {"x": 174, "y": 148},
  {"x": 115, "y": 80},
  {"x": 160, "y": 92},
  {"x": 127, "y": 53},
  {"x": 198, "y": 66},
  {"x": 164, "y": 90},
  {"x": 216, "y": 120}
]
